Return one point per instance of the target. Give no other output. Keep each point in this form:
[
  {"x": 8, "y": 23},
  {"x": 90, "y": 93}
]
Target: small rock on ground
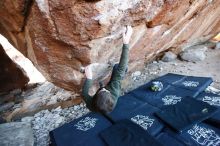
[
  {"x": 169, "y": 56},
  {"x": 45, "y": 121},
  {"x": 217, "y": 46},
  {"x": 136, "y": 75}
]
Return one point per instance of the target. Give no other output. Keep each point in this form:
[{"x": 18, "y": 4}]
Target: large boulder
[
  {"x": 194, "y": 53},
  {"x": 61, "y": 36},
  {"x": 12, "y": 76},
  {"x": 16, "y": 134}
]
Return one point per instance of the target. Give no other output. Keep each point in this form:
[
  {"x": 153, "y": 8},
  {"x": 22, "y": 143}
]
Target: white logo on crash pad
[
  {"x": 86, "y": 123},
  {"x": 212, "y": 100},
  {"x": 204, "y": 136},
  {"x": 190, "y": 83},
  {"x": 171, "y": 99},
  {"x": 144, "y": 121}
]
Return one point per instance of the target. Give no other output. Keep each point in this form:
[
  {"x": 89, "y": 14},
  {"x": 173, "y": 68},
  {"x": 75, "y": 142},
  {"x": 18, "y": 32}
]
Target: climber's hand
[
  {"x": 88, "y": 72},
  {"x": 127, "y": 34}
]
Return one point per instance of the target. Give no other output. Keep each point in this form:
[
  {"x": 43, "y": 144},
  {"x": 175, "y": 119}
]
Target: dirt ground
[{"x": 210, "y": 67}]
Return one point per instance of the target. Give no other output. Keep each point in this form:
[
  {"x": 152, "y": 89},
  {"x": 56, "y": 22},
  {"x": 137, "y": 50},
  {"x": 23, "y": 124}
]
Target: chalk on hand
[{"x": 82, "y": 69}]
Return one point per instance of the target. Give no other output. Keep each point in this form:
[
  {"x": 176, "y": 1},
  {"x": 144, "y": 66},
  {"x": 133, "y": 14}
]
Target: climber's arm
[
  {"x": 117, "y": 75},
  {"x": 86, "y": 86}
]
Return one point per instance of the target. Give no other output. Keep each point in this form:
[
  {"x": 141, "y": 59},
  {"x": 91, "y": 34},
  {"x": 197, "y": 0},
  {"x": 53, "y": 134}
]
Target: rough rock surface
[
  {"x": 16, "y": 134},
  {"x": 12, "y": 76},
  {"x": 34, "y": 75},
  {"x": 60, "y": 36},
  {"x": 6, "y": 106},
  {"x": 38, "y": 97}
]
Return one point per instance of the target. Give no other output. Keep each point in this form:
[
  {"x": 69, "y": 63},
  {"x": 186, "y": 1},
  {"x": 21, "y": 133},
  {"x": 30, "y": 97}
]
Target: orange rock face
[{"x": 60, "y": 36}]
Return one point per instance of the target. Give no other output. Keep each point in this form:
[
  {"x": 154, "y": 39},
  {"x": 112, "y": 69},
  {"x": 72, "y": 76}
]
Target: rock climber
[{"x": 106, "y": 97}]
